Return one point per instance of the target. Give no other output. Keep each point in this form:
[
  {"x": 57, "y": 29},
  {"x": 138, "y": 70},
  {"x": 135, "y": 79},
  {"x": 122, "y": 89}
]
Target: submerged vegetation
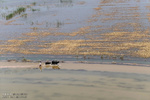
[
  {"x": 16, "y": 12},
  {"x": 19, "y": 11},
  {"x": 24, "y": 15},
  {"x": 59, "y": 24},
  {"x": 35, "y": 10},
  {"x": 66, "y": 1},
  {"x": 34, "y": 3},
  {"x": 93, "y": 36}
]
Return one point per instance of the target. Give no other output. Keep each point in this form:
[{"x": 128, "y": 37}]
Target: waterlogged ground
[
  {"x": 72, "y": 84},
  {"x": 76, "y": 27}
]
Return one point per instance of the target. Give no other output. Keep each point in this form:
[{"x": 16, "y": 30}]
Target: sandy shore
[
  {"x": 139, "y": 69},
  {"x": 108, "y": 67},
  {"x": 76, "y": 81}
]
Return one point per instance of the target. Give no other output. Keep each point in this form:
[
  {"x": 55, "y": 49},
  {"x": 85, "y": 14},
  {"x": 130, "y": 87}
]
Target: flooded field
[
  {"x": 114, "y": 31},
  {"x": 115, "y": 28}
]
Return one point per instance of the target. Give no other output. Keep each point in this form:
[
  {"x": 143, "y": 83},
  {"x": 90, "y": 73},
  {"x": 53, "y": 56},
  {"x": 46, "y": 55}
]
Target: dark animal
[
  {"x": 47, "y": 63},
  {"x": 55, "y": 62}
]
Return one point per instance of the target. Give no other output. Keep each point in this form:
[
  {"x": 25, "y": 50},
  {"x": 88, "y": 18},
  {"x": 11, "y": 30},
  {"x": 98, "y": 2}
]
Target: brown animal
[{"x": 55, "y": 67}]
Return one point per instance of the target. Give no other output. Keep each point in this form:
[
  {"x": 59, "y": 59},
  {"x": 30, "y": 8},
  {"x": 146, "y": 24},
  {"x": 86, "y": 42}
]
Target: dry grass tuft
[
  {"x": 81, "y": 3},
  {"x": 98, "y": 8}
]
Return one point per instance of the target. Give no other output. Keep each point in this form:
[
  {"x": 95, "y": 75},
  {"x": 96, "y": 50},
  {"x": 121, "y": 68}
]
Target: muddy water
[
  {"x": 72, "y": 84},
  {"x": 66, "y": 15},
  {"x": 76, "y": 27},
  {"x": 69, "y": 15}
]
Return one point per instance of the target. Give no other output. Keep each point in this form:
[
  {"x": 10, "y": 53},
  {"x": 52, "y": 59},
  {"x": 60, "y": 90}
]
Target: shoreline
[{"x": 88, "y": 66}]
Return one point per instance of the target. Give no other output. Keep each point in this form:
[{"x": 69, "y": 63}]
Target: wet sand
[{"x": 75, "y": 81}]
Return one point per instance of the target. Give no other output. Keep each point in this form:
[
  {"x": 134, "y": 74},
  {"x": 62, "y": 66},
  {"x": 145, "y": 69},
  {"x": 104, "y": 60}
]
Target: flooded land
[
  {"x": 77, "y": 33},
  {"x": 75, "y": 27}
]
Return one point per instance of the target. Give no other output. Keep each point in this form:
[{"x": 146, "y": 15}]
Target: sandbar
[{"x": 139, "y": 69}]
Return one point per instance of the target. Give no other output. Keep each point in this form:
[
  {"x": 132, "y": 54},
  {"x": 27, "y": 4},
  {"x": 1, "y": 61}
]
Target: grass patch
[{"x": 16, "y": 12}]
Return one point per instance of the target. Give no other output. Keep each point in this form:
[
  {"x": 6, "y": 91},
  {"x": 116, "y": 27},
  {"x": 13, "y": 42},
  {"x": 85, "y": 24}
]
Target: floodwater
[
  {"x": 76, "y": 27},
  {"x": 29, "y": 83},
  {"x": 69, "y": 15},
  {"x": 65, "y": 15},
  {"x": 75, "y": 30}
]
